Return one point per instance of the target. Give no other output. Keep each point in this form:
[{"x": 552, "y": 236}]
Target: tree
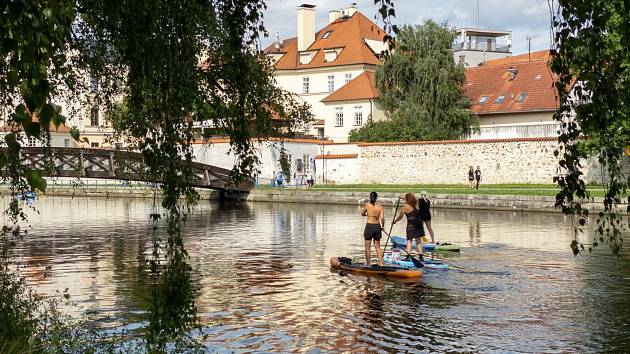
[
  {"x": 170, "y": 61},
  {"x": 591, "y": 58},
  {"x": 422, "y": 87}
]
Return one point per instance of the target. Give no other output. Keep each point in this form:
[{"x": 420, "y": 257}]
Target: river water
[{"x": 265, "y": 283}]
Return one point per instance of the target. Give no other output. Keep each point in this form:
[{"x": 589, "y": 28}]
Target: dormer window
[
  {"x": 483, "y": 99},
  {"x": 500, "y": 99},
  {"x": 326, "y": 35},
  {"x": 307, "y": 56},
  {"x": 522, "y": 97},
  {"x": 330, "y": 55}
]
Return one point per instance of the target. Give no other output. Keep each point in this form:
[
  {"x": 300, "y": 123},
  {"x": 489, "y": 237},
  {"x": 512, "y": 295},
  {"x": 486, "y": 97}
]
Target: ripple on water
[{"x": 265, "y": 284}]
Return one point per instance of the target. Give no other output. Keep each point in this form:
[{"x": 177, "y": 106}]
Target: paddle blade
[{"x": 416, "y": 262}]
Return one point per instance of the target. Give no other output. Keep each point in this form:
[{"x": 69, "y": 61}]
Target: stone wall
[
  {"x": 339, "y": 169},
  {"x": 528, "y": 160},
  {"x": 488, "y": 202}
]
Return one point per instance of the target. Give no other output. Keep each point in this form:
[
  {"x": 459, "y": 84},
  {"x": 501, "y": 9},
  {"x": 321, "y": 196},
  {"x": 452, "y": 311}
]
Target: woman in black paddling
[
  {"x": 373, "y": 228},
  {"x": 415, "y": 230},
  {"x": 424, "y": 205}
]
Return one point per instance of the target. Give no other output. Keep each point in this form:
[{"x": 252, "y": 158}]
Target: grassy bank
[{"x": 484, "y": 189}]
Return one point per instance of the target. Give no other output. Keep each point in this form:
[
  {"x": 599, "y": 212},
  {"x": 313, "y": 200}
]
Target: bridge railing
[{"x": 118, "y": 164}]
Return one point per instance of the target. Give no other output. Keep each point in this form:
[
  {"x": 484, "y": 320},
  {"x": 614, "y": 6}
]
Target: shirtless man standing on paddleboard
[{"x": 373, "y": 229}]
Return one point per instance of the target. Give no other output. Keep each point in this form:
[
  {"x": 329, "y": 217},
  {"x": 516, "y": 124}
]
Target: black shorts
[
  {"x": 426, "y": 217},
  {"x": 414, "y": 232},
  {"x": 372, "y": 232}
]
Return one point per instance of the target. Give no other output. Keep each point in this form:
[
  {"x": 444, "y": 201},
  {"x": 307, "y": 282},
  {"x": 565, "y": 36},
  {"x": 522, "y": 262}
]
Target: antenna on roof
[
  {"x": 477, "y": 14},
  {"x": 529, "y": 46}
]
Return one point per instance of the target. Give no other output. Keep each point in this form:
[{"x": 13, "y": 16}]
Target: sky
[{"x": 523, "y": 17}]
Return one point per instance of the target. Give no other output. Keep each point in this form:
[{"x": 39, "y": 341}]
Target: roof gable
[
  {"x": 347, "y": 33},
  {"x": 361, "y": 87}
]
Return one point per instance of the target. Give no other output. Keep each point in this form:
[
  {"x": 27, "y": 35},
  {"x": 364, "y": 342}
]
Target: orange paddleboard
[{"x": 346, "y": 264}]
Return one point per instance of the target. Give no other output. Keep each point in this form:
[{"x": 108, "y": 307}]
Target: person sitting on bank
[
  {"x": 415, "y": 230},
  {"x": 424, "y": 205},
  {"x": 373, "y": 228}
]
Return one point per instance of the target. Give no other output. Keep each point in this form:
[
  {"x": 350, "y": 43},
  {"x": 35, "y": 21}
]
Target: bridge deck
[{"x": 116, "y": 164}]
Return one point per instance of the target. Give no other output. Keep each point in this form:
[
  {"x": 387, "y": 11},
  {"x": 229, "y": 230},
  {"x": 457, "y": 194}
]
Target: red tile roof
[
  {"x": 336, "y": 156},
  {"x": 533, "y": 56},
  {"x": 494, "y": 79},
  {"x": 360, "y": 88},
  {"x": 347, "y": 33}
]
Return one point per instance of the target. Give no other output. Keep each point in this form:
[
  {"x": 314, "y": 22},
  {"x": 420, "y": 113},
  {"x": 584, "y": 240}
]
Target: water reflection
[{"x": 265, "y": 284}]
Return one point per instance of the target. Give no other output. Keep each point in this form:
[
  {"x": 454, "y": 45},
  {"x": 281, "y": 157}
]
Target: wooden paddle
[{"x": 392, "y": 226}]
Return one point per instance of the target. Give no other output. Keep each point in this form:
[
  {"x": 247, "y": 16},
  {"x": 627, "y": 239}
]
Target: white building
[
  {"x": 332, "y": 69},
  {"x": 474, "y": 46}
]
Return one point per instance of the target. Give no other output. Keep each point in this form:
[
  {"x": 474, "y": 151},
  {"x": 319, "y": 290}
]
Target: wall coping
[
  {"x": 262, "y": 140},
  {"x": 336, "y": 156},
  {"x": 471, "y": 141},
  {"x": 334, "y": 143}
]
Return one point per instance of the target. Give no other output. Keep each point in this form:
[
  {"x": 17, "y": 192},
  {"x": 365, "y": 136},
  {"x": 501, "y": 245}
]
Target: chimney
[
  {"x": 352, "y": 9},
  {"x": 276, "y": 43},
  {"x": 305, "y": 26},
  {"x": 333, "y": 16}
]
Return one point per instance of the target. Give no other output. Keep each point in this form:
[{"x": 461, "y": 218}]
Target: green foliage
[
  {"x": 592, "y": 61},
  {"x": 285, "y": 163},
  {"x": 35, "y": 180},
  {"x": 18, "y": 323},
  {"x": 168, "y": 62},
  {"x": 421, "y": 87}
]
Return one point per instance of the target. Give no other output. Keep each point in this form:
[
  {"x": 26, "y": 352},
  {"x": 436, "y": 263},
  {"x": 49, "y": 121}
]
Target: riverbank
[
  {"x": 491, "y": 197},
  {"x": 111, "y": 190},
  {"x": 485, "y": 189},
  {"x": 451, "y": 201}
]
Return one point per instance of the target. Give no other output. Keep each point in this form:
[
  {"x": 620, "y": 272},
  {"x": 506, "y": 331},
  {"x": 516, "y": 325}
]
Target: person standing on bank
[
  {"x": 415, "y": 230},
  {"x": 424, "y": 205},
  {"x": 478, "y": 176},
  {"x": 373, "y": 228},
  {"x": 471, "y": 177}
]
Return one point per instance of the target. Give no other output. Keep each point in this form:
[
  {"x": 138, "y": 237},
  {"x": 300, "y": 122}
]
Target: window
[
  {"x": 326, "y": 35},
  {"x": 339, "y": 116},
  {"x": 66, "y": 143},
  {"x": 358, "y": 115},
  {"x": 299, "y": 166},
  {"x": 32, "y": 142},
  {"x": 94, "y": 117},
  {"x": 483, "y": 99},
  {"x": 94, "y": 145},
  {"x": 500, "y": 99},
  {"x": 348, "y": 78},
  {"x": 522, "y": 97},
  {"x": 305, "y": 85},
  {"x": 331, "y": 83},
  {"x": 330, "y": 55}
]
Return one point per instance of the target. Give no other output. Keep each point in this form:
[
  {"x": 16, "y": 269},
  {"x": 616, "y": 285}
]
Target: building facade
[
  {"x": 332, "y": 69},
  {"x": 475, "y": 46}
]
